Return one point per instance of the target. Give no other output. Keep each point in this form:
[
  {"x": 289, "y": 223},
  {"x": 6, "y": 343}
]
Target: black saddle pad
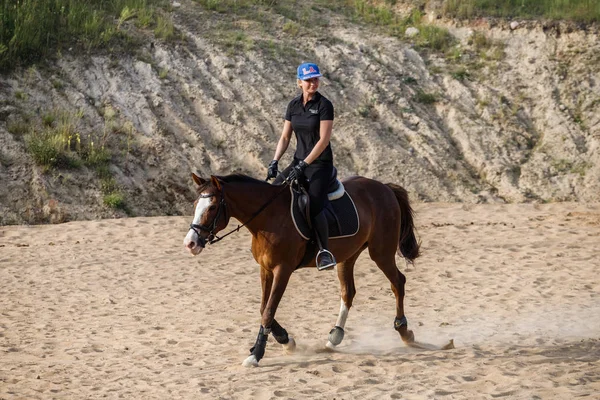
[{"x": 342, "y": 217}]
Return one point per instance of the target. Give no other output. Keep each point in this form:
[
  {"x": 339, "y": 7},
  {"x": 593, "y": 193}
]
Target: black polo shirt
[{"x": 306, "y": 123}]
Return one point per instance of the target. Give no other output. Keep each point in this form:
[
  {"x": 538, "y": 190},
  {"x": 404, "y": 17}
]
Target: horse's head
[{"x": 210, "y": 215}]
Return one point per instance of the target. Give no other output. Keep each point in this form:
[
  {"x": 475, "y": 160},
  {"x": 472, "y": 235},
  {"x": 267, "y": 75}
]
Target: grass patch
[
  {"x": 382, "y": 14},
  {"x": 291, "y": 28},
  {"x": 112, "y": 195},
  {"x": 367, "y": 110},
  {"x": 460, "y": 74},
  {"x": 20, "y": 95},
  {"x": 164, "y": 27},
  {"x": 434, "y": 37},
  {"x": 565, "y": 166},
  {"x": 424, "y": 97},
  {"x": 48, "y": 119},
  {"x": 48, "y": 149},
  {"x": 18, "y": 127},
  {"x": 235, "y": 41},
  {"x": 480, "y": 53},
  {"x": 31, "y": 30},
  {"x": 96, "y": 156},
  {"x": 575, "y": 10},
  {"x": 486, "y": 48},
  {"x": 58, "y": 85},
  {"x": 114, "y": 200},
  {"x": 163, "y": 73},
  {"x": 54, "y": 142}
]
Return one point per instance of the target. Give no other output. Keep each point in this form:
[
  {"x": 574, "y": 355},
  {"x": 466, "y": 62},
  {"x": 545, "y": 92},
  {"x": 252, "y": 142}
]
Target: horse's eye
[{"x": 211, "y": 208}]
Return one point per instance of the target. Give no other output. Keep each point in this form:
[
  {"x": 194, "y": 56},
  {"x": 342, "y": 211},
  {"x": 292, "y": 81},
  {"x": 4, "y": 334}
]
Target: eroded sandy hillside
[{"x": 509, "y": 115}]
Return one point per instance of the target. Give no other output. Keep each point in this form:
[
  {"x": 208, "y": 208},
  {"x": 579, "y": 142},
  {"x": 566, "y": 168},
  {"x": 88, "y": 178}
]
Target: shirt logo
[{"x": 313, "y": 111}]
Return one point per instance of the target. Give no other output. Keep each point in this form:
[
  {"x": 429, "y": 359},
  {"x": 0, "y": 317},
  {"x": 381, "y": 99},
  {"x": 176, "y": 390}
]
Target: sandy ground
[{"x": 118, "y": 309}]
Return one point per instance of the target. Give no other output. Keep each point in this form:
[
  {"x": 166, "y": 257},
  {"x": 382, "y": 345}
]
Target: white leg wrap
[{"x": 341, "y": 321}]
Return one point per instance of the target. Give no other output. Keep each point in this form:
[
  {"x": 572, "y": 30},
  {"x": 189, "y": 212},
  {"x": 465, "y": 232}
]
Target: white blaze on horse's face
[{"x": 191, "y": 239}]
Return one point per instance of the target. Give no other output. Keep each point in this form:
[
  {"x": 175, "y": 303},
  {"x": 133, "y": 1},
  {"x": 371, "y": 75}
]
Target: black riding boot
[{"x": 325, "y": 259}]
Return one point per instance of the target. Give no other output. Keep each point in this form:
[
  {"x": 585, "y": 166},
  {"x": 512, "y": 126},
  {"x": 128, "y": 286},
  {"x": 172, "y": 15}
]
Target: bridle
[
  {"x": 210, "y": 239},
  {"x": 212, "y": 236}
]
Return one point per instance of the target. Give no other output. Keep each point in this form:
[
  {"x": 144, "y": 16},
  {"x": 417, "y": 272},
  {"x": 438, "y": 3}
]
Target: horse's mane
[
  {"x": 239, "y": 178},
  {"x": 234, "y": 178}
]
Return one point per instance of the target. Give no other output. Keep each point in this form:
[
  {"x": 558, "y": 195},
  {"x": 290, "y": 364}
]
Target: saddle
[{"x": 341, "y": 213}]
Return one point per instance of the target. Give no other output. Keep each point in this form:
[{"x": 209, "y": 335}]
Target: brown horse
[{"x": 386, "y": 225}]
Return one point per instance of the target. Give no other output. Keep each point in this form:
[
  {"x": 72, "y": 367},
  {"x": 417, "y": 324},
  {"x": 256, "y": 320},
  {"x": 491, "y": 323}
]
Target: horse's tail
[{"x": 408, "y": 244}]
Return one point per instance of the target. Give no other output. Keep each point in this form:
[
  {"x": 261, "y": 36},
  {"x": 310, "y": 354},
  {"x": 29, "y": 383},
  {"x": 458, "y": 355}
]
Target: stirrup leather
[{"x": 326, "y": 266}]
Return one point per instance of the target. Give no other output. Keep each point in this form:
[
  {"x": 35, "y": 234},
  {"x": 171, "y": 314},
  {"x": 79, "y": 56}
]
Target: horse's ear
[
  {"x": 215, "y": 182},
  {"x": 199, "y": 181}
]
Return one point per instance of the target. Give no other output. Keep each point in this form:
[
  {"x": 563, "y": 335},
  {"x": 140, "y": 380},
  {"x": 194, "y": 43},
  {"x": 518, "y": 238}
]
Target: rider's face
[{"x": 310, "y": 85}]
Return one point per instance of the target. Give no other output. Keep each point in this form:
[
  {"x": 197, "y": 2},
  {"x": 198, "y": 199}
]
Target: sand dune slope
[{"x": 117, "y": 309}]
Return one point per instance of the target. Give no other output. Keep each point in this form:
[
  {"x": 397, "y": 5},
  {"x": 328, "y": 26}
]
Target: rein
[{"x": 211, "y": 235}]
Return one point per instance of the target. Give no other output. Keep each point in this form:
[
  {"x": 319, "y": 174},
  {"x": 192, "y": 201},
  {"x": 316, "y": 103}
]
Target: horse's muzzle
[{"x": 191, "y": 243}]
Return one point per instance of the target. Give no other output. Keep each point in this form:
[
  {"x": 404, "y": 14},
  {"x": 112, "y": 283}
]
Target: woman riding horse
[{"x": 310, "y": 117}]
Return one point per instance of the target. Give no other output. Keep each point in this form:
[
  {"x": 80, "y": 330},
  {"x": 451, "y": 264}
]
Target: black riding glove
[
  {"x": 272, "y": 171},
  {"x": 297, "y": 173}
]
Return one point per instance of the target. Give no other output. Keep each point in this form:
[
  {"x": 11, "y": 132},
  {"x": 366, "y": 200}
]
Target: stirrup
[{"x": 327, "y": 262}]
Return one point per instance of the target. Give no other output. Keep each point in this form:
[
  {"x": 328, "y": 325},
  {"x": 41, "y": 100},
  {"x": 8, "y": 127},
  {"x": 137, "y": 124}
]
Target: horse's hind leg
[
  {"x": 387, "y": 263},
  {"x": 348, "y": 290}
]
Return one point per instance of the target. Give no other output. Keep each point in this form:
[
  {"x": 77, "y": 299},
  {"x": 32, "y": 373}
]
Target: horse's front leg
[
  {"x": 277, "y": 282},
  {"x": 278, "y": 332}
]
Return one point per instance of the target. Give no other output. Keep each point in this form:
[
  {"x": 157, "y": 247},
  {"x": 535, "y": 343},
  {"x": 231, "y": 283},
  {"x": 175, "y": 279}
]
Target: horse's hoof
[
  {"x": 330, "y": 345},
  {"x": 290, "y": 346},
  {"x": 336, "y": 335},
  {"x": 250, "y": 361}
]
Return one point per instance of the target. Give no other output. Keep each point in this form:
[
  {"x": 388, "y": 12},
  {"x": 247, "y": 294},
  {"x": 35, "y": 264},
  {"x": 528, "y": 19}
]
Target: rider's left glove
[{"x": 297, "y": 173}]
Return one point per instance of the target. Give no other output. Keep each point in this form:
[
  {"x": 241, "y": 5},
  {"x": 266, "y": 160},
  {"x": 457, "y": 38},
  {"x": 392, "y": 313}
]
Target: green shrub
[
  {"x": 95, "y": 156},
  {"x": 460, "y": 74},
  {"x": 108, "y": 185},
  {"x": 48, "y": 150},
  {"x": 291, "y": 28},
  {"x": 163, "y": 73},
  {"x": 114, "y": 200},
  {"x": 48, "y": 119},
  {"x": 145, "y": 18},
  {"x": 434, "y": 37},
  {"x": 45, "y": 149},
  {"x": 56, "y": 84},
  {"x": 424, "y": 98},
  {"x": 235, "y": 41},
  {"x": 164, "y": 28},
  {"x": 18, "y": 127}
]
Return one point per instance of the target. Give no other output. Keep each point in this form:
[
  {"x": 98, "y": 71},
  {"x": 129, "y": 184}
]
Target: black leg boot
[{"x": 325, "y": 260}]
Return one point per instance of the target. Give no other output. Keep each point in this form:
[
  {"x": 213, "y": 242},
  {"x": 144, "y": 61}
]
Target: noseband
[{"x": 210, "y": 239}]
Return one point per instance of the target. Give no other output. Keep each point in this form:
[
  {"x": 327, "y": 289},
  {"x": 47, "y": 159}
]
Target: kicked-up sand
[{"x": 117, "y": 309}]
